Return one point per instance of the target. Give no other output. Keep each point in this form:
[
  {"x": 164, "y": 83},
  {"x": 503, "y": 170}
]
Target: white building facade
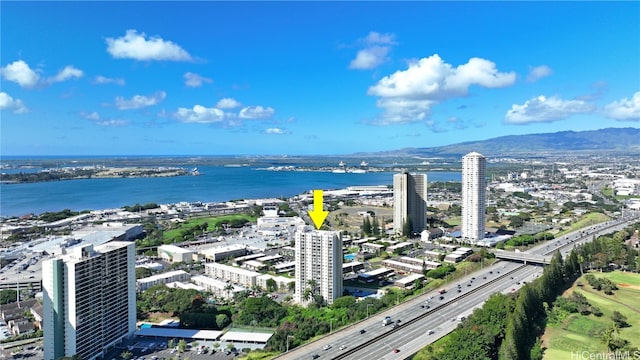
[
  {"x": 474, "y": 197},
  {"x": 318, "y": 259},
  {"x": 409, "y": 201},
  {"x": 89, "y": 297}
]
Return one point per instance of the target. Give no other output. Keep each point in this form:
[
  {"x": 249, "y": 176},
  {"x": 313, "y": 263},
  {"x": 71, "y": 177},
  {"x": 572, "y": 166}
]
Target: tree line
[{"x": 510, "y": 326}]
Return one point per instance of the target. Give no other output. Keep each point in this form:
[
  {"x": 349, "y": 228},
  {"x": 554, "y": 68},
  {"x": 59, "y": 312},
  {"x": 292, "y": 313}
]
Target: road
[{"x": 379, "y": 342}]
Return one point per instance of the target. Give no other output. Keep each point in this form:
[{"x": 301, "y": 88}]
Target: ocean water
[{"x": 216, "y": 183}]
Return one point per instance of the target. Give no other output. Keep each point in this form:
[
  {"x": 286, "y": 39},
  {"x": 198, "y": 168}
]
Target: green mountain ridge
[{"x": 609, "y": 139}]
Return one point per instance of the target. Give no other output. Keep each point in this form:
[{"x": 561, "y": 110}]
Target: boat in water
[{"x": 194, "y": 172}]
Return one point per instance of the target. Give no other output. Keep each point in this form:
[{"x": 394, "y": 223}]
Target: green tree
[
  {"x": 126, "y": 355},
  {"x": 619, "y": 320},
  {"x": 222, "y": 320},
  {"x": 8, "y": 296},
  {"x": 271, "y": 285},
  {"x": 182, "y": 345}
]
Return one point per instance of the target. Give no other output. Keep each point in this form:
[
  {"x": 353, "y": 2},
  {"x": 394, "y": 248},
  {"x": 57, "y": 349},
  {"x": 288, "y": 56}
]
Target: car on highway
[
  {"x": 430, "y": 332},
  {"x": 342, "y": 347},
  {"x": 327, "y": 347},
  {"x": 362, "y": 331},
  {"x": 315, "y": 356},
  {"x": 396, "y": 350}
]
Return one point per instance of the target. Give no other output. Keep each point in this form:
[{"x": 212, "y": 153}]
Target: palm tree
[
  {"x": 609, "y": 336},
  {"x": 228, "y": 288},
  {"x": 313, "y": 285}
]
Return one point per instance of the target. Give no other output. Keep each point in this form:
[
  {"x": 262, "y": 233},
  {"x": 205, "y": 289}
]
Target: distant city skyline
[{"x": 309, "y": 78}]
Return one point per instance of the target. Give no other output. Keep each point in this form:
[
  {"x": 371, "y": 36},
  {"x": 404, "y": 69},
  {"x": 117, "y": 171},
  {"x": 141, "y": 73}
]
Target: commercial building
[
  {"x": 175, "y": 254},
  {"x": 318, "y": 260},
  {"x": 409, "y": 202},
  {"x": 89, "y": 300},
  {"x": 474, "y": 197},
  {"x": 224, "y": 252}
]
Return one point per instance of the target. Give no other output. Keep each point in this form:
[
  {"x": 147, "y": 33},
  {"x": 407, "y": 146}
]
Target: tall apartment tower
[
  {"x": 474, "y": 196},
  {"x": 89, "y": 299},
  {"x": 318, "y": 258},
  {"x": 409, "y": 201}
]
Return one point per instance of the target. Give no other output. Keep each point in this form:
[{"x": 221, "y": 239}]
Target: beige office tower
[
  {"x": 89, "y": 299},
  {"x": 474, "y": 197},
  {"x": 409, "y": 202},
  {"x": 318, "y": 262}
]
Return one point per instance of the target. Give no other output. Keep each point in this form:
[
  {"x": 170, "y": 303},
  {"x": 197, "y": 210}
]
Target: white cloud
[
  {"x": 256, "y": 112},
  {"x": 228, "y": 103},
  {"x": 140, "y": 101},
  {"x": 137, "y": 46},
  {"x": 112, "y": 123},
  {"x": 91, "y": 116},
  {"x": 377, "y": 38},
  {"x": 624, "y": 109},
  {"x": 20, "y": 73},
  {"x": 105, "y": 80},
  {"x": 543, "y": 109},
  {"x": 408, "y": 95},
  {"x": 370, "y": 58},
  {"x": 199, "y": 114},
  {"x": 538, "y": 72},
  {"x": 69, "y": 72},
  {"x": 195, "y": 80},
  {"x": 276, "y": 131},
  {"x": 377, "y": 46},
  {"x": 97, "y": 120},
  {"x": 9, "y": 103}
]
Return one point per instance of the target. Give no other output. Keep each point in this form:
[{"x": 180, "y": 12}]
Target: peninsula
[{"x": 92, "y": 172}]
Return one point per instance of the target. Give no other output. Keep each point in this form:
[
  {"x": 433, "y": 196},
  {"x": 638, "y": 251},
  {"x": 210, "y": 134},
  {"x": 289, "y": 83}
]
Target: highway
[{"x": 379, "y": 342}]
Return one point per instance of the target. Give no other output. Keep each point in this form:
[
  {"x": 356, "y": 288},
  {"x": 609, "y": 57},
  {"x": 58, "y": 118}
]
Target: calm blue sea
[{"x": 216, "y": 183}]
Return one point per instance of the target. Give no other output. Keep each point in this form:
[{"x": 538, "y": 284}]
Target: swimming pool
[{"x": 350, "y": 257}]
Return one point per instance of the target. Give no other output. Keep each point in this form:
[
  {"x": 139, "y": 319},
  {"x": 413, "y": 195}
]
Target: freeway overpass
[
  {"x": 379, "y": 342},
  {"x": 523, "y": 257}
]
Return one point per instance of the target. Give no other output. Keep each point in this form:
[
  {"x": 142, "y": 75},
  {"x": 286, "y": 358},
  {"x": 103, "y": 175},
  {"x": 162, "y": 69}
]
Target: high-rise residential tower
[
  {"x": 89, "y": 299},
  {"x": 474, "y": 197},
  {"x": 318, "y": 265},
  {"x": 409, "y": 202}
]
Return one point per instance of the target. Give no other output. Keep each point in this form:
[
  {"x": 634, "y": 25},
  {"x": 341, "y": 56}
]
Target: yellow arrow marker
[{"x": 318, "y": 214}]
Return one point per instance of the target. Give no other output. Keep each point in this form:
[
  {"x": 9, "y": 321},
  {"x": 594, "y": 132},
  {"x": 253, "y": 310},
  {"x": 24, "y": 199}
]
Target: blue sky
[{"x": 218, "y": 78}]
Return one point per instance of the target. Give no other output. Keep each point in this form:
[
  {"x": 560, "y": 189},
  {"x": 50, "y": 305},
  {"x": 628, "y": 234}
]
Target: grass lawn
[
  {"x": 174, "y": 234},
  {"x": 587, "y": 220},
  {"x": 259, "y": 355},
  {"x": 582, "y": 333},
  {"x": 454, "y": 221},
  {"x": 434, "y": 348},
  {"x": 621, "y": 278}
]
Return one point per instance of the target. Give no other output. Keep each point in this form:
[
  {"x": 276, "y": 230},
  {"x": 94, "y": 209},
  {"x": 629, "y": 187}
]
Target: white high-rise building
[
  {"x": 409, "y": 201},
  {"x": 89, "y": 299},
  {"x": 318, "y": 258},
  {"x": 474, "y": 196}
]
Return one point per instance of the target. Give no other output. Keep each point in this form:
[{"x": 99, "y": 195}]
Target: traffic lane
[
  {"x": 405, "y": 311},
  {"x": 438, "y": 321}
]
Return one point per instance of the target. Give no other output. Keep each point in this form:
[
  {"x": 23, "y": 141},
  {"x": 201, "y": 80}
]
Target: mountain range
[{"x": 603, "y": 140}]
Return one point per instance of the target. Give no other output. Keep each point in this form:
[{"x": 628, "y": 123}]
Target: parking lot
[{"x": 157, "y": 350}]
